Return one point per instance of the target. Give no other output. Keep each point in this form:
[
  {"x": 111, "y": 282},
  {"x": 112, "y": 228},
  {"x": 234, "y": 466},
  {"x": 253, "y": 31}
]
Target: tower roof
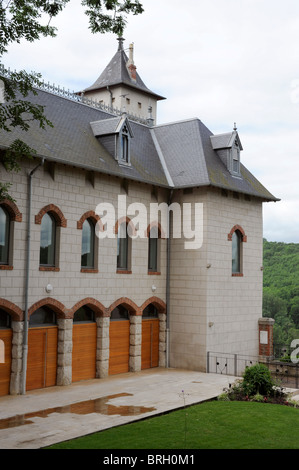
[{"x": 121, "y": 71}]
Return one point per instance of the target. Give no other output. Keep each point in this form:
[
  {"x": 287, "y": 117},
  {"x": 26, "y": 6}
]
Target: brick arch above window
[
  {"x": 128, "y": 304},
  {"x": 129, "y": 223},
  {"x": 55, "y": 212},
  {"x": 53, "y": 304},
  {"x": 93, "y": 304},
  {"x": 239, "y": 229},
  {"x": 12, "y": 210},
  {"x": 161, "y": 233},
  {"x": 13, "y": 310},
  {"x": 158, "y": 303},
  {"x": 88, "y": 215}
]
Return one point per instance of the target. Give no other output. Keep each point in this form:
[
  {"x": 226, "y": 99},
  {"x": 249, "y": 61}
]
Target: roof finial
[
  {"x": 235, "y": 126},
  {"x": 120, "y": 43}
]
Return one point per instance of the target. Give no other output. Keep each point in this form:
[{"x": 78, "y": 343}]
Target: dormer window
[
  {"x": 115, "y": 135},
  {"x": 124, "y": 146},
  {"x": 228, "y": 147},
  {"x": 235, "y": 168}
]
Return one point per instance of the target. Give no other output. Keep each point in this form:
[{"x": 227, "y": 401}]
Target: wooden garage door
[
  {"x": 84, "y": 351},
  {"x": 119, "y": 355},
  {"x": 150, "y": 344},
  {"x": 42, "y": 357},
  {"x": 5, "y": 338}
]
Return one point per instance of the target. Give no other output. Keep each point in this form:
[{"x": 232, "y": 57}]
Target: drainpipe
[
  {"x": 168, "y": 281},
  {"x": 25, "y": 337}
]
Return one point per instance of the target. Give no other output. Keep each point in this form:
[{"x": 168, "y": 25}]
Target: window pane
[
  {"x": 125, "y": 148},
  {"x": 120, "y": 313},
  {"x": 42, "y": 316},
  {"x": 122, "y": 247},
  {"x": 152, "y": 254},
  {"x": 4, "y": 236},
  {"x": 87, "y": 257},
  {"x": 150, "y": 312},
  {"x": 47, "y": 241},
  {"x": 5, "y": 319},
  {"x": 84, "y": 314},
  {"x": 236, "y": 245}
]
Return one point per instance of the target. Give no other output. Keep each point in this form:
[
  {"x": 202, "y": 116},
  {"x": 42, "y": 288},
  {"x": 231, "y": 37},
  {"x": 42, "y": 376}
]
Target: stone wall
[{"x": 210, "y": 308}]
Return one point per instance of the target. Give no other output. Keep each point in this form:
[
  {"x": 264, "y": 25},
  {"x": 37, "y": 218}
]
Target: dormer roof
[
  {"x": 111, "y": 126},
  {"x": 119, "y": 71},
  {"x": 225, "y": 141}
]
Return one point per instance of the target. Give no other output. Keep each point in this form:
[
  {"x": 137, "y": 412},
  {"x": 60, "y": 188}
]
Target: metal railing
[
  {"x": 79, "y": 98},
  {"x": 284, "y": 373},
  {"x": 228, "y": 363}
]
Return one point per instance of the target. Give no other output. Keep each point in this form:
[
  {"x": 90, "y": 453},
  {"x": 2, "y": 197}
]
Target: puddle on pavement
[{"x": 98, "y": 405}]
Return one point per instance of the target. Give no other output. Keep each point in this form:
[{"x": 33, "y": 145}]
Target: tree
[{"x": 30, "y": 20}]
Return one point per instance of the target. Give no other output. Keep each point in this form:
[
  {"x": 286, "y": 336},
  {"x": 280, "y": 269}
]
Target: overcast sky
[{"x": 222, "y": 61}]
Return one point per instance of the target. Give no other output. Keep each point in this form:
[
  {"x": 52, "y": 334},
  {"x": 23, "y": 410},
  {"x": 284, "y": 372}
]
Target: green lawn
[{"x": 210, "y": 425}]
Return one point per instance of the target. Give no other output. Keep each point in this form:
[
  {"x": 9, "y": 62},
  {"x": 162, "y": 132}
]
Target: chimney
[{"x": 130, "y": 64}]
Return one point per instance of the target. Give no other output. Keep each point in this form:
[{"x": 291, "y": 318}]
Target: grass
[{"x": 210, "y": 425}]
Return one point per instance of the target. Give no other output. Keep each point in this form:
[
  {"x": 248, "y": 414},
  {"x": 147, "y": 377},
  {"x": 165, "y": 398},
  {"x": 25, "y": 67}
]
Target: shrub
[
  {"x": 223, "y": 397},
  {"x": 257, "y": 379},
  {"x": 259, "y": 398}
]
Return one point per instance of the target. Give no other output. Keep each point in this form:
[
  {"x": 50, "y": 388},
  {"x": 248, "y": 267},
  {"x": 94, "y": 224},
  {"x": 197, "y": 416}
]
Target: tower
[{"x": 120, "y": 86}]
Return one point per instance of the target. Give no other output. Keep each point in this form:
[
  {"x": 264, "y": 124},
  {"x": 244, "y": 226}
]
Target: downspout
[
  {"x": 25, "y": 336},
  {"x": 168, "y": 283}
]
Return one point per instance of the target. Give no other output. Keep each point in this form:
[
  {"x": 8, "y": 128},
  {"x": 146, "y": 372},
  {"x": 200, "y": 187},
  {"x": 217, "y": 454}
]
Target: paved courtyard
[{"x": 44, "y": 417}]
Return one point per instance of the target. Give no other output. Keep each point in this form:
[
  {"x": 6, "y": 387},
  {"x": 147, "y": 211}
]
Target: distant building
[{"x": 101, "y": 305}]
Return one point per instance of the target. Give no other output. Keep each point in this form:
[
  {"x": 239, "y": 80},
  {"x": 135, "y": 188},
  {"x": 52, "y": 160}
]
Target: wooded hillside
[{"x": 281, "y": 289}]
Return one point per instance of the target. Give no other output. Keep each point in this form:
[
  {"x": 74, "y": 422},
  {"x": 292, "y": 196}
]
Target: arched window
[
  {"x": 122, "y": 247},
  {"x": 88, "y": 245},
  {"x": 153, "y": 250},
  {"x": 47, "y": 240},
  {"x": 4, "y": 235},
  {"x": 84, "y": 314},
  {"x": 236, "y": 252},
  {"x": 150, "y": 312},
  {"x": 5, "y": 320},
  {"x": 120, "y": 313},
  {"x": 42, "y": 317}
]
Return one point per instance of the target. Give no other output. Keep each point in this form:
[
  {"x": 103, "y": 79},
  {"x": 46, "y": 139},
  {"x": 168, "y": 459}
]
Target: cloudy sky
[{"x": 221, "y": 61}]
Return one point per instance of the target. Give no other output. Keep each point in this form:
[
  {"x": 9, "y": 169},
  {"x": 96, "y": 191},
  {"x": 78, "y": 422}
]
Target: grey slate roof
[
  {"x": 116, "y": 73},
  {"x": 72, "y": 141},
  {"x": 178, "y": 155},
  {"x": 191, "y": 160}
]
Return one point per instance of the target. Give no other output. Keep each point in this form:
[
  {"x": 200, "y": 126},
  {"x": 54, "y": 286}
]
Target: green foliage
[
  {"x": 281, "y": 289},
  {"x": 21, "y": 19},
  {"x": 4, "y": 191},
  {"x": 257, "y": 379},
  {"x": 258, "y": 398},
  {"x": 30, "y": 20},
  {"x": 102, "y": 21}
]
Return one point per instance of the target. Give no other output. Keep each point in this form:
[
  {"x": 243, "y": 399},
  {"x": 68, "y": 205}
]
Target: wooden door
[
  {"x": 84, "y": 351},
  {"x": 150, "y": 344},
  {"x": 119, "y": 353},
  {"x": 42, "y": 357},
  {"x": 5, "y": 367}
]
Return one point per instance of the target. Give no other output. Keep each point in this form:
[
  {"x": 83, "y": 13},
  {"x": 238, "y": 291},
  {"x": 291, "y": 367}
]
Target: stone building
[{"x": 129, "y": 244}]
